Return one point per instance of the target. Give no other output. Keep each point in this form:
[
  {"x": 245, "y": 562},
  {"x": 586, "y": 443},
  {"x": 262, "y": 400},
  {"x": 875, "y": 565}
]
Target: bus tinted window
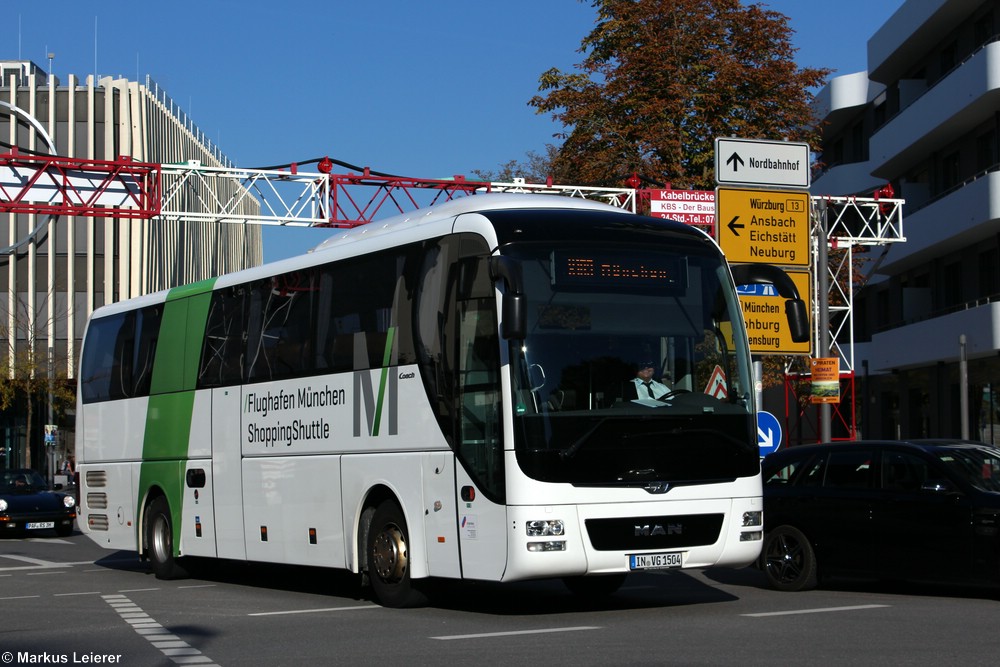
[
  {"x": 118, "y": 358},
  {"x": 327, "y": 319}
]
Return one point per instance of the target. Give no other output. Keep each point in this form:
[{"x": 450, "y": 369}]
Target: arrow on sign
[
  {"x": 736, "y": 160},
  {"x": 733, "y": 226},
  {"x": 765, "y": 440}
]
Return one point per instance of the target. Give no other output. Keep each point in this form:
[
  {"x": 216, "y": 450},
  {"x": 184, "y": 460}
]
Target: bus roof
[{"x": 473, "y": 204}]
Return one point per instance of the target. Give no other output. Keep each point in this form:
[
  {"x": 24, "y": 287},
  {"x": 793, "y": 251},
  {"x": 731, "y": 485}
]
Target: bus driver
[{"x": 645, "y": 386}]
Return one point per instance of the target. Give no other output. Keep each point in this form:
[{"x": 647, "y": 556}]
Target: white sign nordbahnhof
[{"x": 757, "y": 162}]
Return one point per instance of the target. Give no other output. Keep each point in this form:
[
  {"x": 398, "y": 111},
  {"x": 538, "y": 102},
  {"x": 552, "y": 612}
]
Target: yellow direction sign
[
  {"x": 763, "y": 226},
  {"x": 764, "y": 314}
]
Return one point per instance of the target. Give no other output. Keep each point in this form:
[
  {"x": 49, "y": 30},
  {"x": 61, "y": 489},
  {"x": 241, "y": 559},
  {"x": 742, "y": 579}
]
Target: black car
[
  {"x": 27, "y": 504},
  {"x": 919, "y": 510}
]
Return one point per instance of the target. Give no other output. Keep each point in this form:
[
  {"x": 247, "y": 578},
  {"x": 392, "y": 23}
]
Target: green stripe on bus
[
  {"x": 386, "y": 358},
  {"x": 167, "y": 435}
]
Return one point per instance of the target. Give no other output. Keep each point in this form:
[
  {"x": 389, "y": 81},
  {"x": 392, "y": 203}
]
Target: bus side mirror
[
  {"x": 515, "y": 309},
  {"x": 798, "y": 320},
  {"x": 514, "y": 312}
]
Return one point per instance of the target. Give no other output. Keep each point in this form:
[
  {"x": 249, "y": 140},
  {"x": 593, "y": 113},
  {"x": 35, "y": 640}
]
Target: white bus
[{"x": 443, "y": 394}]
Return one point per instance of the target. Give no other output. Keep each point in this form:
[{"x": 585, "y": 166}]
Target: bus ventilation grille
[
  {"x": 98, "y": 521},
  {"x": 97, "y": 478}
]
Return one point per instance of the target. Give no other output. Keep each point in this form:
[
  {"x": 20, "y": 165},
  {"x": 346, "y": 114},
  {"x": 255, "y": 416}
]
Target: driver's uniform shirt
[{"x": 651, "y": 389}]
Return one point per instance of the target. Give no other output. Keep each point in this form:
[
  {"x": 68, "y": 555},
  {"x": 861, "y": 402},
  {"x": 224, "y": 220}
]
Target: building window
[
  {"x": 989, "y": 266},
  {"x": 983, "y": 29},
  {"x": 949, "y": 171},
  {"x": 952, "y": 295},
  {"x": 879, "y": 112},
  {"x": 986, "y": 151},
  {"x": 857, "y": 143},
  {"x": 949, "y": 57}
]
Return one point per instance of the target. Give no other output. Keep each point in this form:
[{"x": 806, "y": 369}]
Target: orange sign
[{"x": 825, "y": 379}]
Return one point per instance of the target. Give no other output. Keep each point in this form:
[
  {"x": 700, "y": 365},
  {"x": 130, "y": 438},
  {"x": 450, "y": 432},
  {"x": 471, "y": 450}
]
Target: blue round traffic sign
[{"x": 768, "y": 432}]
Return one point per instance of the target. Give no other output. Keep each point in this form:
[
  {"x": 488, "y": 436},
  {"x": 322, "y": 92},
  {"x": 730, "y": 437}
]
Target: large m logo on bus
[{"x": 388, "y": 388}]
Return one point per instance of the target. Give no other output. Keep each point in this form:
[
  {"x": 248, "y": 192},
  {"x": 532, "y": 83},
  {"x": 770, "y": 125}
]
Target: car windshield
[
  {"x": 978, "y": 466},
  {"x": 599, "y": 320},
  {"x": 14, "y": 481}
]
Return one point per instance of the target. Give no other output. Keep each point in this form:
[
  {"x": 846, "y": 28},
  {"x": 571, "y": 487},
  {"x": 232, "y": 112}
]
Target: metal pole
[
  {"x": 823, "y": 298},
  {"x": 963, "y": 386}
]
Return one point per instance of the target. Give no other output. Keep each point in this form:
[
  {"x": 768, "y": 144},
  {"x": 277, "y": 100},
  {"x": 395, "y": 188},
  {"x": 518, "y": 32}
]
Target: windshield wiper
[{"x": 578, "y": 444}]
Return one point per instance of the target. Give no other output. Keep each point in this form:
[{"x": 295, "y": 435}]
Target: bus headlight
[
  {"x": 545, "y": 528},
  {"x": 753, "y": 518},
  {"x": 547, "y": 546}
]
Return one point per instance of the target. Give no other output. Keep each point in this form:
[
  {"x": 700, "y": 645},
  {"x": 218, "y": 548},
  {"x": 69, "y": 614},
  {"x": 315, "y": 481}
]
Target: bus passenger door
[{"x": 482, "y": 514}]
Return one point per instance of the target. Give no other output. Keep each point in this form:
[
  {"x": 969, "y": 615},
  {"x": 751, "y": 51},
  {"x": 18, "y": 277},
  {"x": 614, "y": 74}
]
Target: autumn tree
[
  {"x": 661, "y": 79},
  {"x": 535, "y": 168}
]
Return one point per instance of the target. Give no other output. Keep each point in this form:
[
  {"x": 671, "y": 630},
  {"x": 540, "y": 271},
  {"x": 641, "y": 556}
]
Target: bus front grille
[{"x": 654, "y": 532}]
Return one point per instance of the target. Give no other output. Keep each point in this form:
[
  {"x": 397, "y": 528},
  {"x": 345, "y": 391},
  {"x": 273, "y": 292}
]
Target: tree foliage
[
  {"x": 661, "y": 79},
  {"x": 534, "y": 169}
]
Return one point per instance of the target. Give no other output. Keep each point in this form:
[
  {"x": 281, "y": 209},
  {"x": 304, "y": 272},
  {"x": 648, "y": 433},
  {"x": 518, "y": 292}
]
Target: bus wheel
[
  {"x": 160, "y": 541},
  {"x": 389, "y": 558},
  {"x": 594, "y": 587}
]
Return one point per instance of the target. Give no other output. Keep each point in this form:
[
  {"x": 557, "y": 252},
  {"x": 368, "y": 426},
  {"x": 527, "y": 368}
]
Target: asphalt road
[{"x": 66, "y": 601}]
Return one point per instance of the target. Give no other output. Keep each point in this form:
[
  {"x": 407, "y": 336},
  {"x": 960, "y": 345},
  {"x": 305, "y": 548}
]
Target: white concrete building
[
  {"x": 925, "y": 118},
  {"x": 54, "y": 271}
]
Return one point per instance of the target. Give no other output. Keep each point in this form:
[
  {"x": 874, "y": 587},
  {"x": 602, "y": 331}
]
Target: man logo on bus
[
  {"x": 388, "y": 389},
  {"x": 657, "y": 529}
]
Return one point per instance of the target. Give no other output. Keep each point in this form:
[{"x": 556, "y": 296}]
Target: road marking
[
  {"x": 21, "y": 597},
  {"x": 173, "y": 647},
  {"x": 63, "y": 595},
  {"x": 199, "y": 586},
  {"x": 314, "y": 611},
  {"x": 518, "y": 632},
  {"x": 28, "y": 559},
  {"x": 822, "y": 610}
]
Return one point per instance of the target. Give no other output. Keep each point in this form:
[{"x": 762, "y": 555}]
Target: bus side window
[
  {"x": 224, "y": 351},
  {"x": 145, "y": 348},
  {"x": 97, "y": 365}
]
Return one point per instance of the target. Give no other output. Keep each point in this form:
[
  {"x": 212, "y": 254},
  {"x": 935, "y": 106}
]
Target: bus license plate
[
  {"x": 40, "y": 524},
  {"x": 655, "y": 561}
]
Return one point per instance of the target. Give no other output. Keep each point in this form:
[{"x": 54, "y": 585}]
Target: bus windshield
[{"x": 597, "y": 317}]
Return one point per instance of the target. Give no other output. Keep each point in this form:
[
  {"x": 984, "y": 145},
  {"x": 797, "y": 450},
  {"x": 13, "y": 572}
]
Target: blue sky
[{"x": 424, "y": 89}]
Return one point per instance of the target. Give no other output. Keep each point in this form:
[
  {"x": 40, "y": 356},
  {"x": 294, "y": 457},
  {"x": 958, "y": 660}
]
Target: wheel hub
[{"x": 389, "y": 554}]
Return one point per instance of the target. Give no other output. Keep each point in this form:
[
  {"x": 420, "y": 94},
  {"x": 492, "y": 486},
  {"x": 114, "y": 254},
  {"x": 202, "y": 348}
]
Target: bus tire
[
  {"x": 160, "y": 541},
  {"x": 388, "y": 558}
]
